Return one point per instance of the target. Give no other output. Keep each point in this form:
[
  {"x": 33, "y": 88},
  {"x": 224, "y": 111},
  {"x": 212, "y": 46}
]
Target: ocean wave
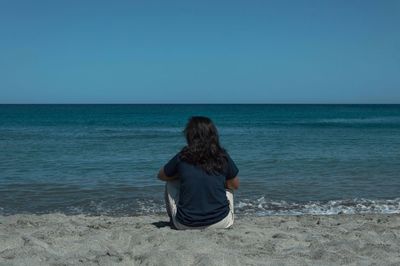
[
  {"x": 370, "y": 120},
  {"x": 263, "y": 207},
  {"x": 257, "y": 207}
]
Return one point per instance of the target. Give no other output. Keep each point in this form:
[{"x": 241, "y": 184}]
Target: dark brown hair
[{"x": 203, "y": 147}]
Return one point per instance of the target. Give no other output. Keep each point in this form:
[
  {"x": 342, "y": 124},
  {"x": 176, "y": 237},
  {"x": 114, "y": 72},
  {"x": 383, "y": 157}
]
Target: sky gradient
[{"x": 200, "y": 51}]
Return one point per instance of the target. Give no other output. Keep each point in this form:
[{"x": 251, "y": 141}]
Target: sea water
[{"x": 292, "y": 159}]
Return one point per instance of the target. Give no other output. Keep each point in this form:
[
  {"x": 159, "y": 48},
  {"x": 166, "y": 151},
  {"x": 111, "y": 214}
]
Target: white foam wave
[
  {"x": 258, "y": 207},
  {"x": 371, "y": 120},
  {"x": 263, "y": 207}
]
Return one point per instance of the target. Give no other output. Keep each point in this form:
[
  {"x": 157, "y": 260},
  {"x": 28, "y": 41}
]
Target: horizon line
[{"x": 155, "y": 103}]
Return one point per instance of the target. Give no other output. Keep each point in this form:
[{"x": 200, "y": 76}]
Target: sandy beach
[{"x": 57, "y": 239}]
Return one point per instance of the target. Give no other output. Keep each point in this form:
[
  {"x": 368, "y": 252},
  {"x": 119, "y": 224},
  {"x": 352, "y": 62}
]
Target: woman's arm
[
  {"x": 164, "y": 177},
  {"x": 232, "y": 183}
]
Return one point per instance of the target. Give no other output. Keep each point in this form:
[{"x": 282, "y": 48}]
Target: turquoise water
[{"x": 293, "y": 159}]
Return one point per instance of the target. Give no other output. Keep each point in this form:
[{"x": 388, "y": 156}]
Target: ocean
[{"x": 292, "y": 159}]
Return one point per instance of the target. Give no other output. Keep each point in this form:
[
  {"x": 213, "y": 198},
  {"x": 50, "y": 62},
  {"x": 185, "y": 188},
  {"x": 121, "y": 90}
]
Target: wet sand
[{"x": 57, "y": 239}]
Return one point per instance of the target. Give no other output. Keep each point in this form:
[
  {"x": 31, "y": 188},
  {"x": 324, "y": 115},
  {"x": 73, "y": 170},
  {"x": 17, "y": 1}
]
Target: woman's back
[{"x": 200, "y": 179}]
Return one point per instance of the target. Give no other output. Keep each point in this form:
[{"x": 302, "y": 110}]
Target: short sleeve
[
  {"x": 171, "y": 168},
  {"x": 232, "y": 169}
]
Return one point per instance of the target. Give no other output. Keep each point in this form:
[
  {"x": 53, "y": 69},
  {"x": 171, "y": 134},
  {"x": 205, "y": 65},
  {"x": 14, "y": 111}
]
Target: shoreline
[{"x": 59, "y": 239}]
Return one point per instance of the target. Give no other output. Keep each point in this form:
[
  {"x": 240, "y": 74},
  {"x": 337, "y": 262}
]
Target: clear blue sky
[{"x": 200, "y": 51}]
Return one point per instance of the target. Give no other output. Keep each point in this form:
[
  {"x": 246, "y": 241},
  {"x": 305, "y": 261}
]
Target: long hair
[{"x": 203, "y": 148}]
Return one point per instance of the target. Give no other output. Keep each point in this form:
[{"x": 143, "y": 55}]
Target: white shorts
[{"x": 172, "y": 189}]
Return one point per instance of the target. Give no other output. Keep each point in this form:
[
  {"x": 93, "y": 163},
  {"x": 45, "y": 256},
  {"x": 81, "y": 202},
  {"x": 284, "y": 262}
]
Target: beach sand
[{"x": 57, "y": 239}]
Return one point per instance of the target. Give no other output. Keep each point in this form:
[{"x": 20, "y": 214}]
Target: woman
[{"x": 200, "y": 180}]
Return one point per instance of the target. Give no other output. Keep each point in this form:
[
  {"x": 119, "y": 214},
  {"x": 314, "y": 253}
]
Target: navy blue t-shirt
[{"x": 202, "y": 198}]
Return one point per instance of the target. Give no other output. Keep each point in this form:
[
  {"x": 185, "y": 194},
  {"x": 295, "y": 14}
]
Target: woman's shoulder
[
  {"x": 231, "y": 168},
  {"x": 178, "y": 156},
  {"x": 227, "y": 156}
]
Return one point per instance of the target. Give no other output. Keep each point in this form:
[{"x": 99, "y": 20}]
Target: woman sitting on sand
[{"x": 200, "y": 180}]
